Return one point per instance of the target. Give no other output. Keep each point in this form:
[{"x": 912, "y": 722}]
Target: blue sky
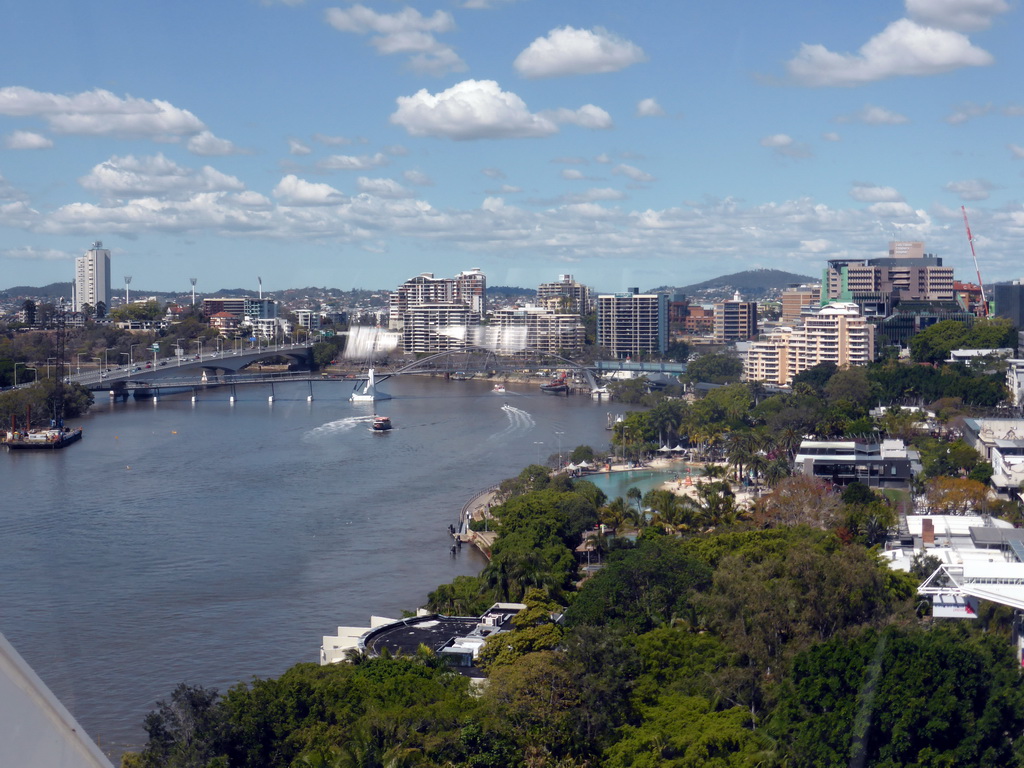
[{"x": 357, "y": 145}]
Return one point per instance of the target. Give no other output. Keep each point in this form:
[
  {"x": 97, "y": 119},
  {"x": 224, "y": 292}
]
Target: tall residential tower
[{"x": 92, "y": 278}]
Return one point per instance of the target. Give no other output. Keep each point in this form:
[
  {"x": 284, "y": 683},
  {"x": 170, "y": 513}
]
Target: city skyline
[{"x": 358, "y": 145}]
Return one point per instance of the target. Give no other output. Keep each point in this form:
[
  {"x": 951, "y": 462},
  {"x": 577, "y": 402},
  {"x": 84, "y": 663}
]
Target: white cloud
[
  {"x": 831, "y": 136},
  {"x": 472, "y": 109},
  {"x": 572, "y": 174},
  {"x": 493, "y": 173},
  {"x": 816, "y": 246},
  {"x": 353, "y": 162},
  {"x": 9, "y": 192},
  {"x": 387, "y": 188},
  {"x": 649, "y": 108},
  {"x": 418, "y": 178},
  {"x": 570, "y": 51},
  {"x": 595, "y": 195},
  {"x": 777, "y": 141},
  {"x": 964, "y": 112},
  {"x": 128, "y": 177},
  {"x": 205, "y": 144},
  {"x": 296, "y": 147},
  {"x": 872, "y": 115},
  {"x": 27, "y": 140},
  {"x": 632, "y": 173},
  {"x": 904, "y": 48},
  {"x": 970, "y": 189},
  {"x": 292, "y": 190},
  {"x": 602, "y": 158},
  {"x": 891, "y": 210},
  {"x": 962, "y": 15},
  {"x": 784, "y": 144},
  {"x": 869, "y": 193},
  {"x": 587, "y": 116},
  {"x": 405, "y": 32},
  {"x": 100, "y": 113},
  {"x": 331, "y": 141},
  {"x": 28, "y": 253},
  {"x": 1017, "y": 151}
]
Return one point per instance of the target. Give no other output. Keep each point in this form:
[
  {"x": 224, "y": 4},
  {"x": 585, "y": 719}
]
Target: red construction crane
[{"x": 981, "y": 285}]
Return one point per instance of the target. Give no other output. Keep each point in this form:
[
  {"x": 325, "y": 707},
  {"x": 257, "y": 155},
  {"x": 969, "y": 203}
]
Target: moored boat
[
  {"x": 41, "y": 439},
  {"x": 556, "y": 386}
]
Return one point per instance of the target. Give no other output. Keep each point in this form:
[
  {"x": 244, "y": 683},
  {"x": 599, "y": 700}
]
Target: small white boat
[
  {"x": 499, "y": 389},
  {"x": 380, "y": 424}
]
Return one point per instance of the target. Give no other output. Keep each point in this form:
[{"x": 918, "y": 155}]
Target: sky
[{"x": 656, "y": 143}]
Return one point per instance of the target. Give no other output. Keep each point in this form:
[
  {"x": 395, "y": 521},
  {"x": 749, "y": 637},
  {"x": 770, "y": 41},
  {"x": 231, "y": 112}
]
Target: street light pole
[
  {"x": 105, "y": 358},
  {"x": 199, "y": 348},
  {"x": 131, "y": 360},
  {"x": 558, "y": 436},
  {"x": 177, "y": 346},
  {"x": 48, "y": 365},
  {"x": 78, "y": 356},
  {"x": 23, "y": 365}
]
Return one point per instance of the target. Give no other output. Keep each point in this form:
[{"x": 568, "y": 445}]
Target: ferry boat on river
[{"x": 380, "y": 424}]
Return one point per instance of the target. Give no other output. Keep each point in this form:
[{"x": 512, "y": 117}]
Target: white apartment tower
[
  {"x": 469, "y": 288},
  {"x": 92, "y": 278},
  {"x": 838, "y": 334},
  {"x": 565, "y": 296}
]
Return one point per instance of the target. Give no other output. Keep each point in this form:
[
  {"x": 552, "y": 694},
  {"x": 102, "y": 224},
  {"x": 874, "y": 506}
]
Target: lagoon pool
[{"x": 616, "y": 484}]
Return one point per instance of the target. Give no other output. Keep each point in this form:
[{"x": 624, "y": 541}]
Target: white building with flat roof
[{"x": 92, "y": 278}]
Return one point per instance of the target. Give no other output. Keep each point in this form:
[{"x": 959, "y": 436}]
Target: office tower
[{"x": 735, "y": 320}]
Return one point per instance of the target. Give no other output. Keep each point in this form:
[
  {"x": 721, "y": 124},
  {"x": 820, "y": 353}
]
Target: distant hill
[
  {"x": 51, "y": 291},
  {"x": 752, "y": 284}
]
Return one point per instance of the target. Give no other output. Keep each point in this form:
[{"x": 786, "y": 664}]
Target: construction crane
[{"x": 977, "y": 270}]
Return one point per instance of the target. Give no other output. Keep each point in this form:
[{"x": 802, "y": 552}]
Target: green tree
[
  {"x": 715, "y": 368},
  {"x": 937, "y": 697},
  {"x": 186, "y": 732}
]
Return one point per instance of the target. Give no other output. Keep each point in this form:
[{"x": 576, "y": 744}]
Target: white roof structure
[{"x": 35, "y": 728}]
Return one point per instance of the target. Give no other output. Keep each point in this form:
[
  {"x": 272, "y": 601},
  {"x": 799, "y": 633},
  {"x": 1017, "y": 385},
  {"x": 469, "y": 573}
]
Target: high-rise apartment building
[
  {"x": 632, "y": 323},
  {"x": 469, "y": 288},
  {"x": 735, "y": 320},
  {"x": 838, "y": 334},
  {"x": 92, "y": 278},
  {"x": 438, "y": 327},
  {"x": 565, "y": 296},
  {"x": 536, "y": 328}
]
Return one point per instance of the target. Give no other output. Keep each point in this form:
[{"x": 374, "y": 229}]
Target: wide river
[{"x": 212, "y": 542}]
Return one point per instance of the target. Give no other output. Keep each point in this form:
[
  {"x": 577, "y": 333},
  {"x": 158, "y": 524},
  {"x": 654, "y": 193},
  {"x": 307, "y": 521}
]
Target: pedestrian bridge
[
  {"x": 198, "y": 370},
  {"x": 226, "y": 368}
]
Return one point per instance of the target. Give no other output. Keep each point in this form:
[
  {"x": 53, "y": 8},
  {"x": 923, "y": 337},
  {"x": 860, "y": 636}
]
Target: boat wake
[
  {"x": 336, "y": 427},
  {"x": 519, "y": 421}
]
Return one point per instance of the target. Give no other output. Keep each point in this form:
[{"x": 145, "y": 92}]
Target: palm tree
[
  {"x": 777, "y": 470},
  {"x": 634, "y": 495},
  {"x": 614, "y": 513}
]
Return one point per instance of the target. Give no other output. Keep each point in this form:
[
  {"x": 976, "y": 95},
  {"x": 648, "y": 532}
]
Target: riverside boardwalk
[{"x": 477, "y": 508}]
